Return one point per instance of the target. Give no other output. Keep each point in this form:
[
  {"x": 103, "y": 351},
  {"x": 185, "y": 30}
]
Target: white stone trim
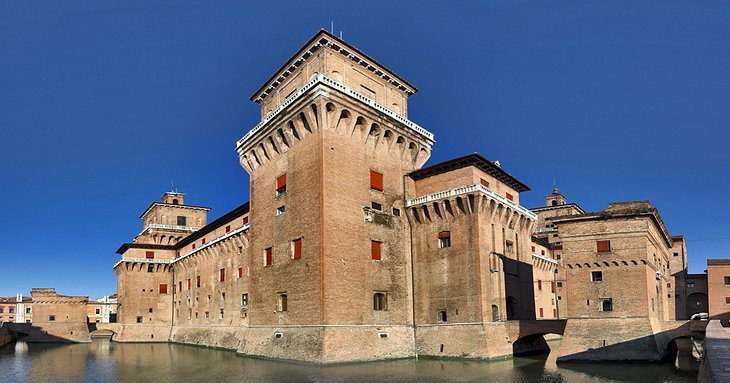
[
  {"x": 321, "y": 79},
  {"x": 468, "y": 190},
  {"x": 544, "y": 258}
]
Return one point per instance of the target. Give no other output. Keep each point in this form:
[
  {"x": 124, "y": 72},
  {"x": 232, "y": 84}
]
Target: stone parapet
[{"x": 716, "y": 364}]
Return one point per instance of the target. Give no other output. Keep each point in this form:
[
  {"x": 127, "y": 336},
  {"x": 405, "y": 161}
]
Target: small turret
[{"x": 555, "y": 199}]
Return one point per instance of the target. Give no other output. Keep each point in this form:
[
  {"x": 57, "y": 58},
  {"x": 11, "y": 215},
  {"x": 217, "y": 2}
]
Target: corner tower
[{"x": 327, "y": 165}]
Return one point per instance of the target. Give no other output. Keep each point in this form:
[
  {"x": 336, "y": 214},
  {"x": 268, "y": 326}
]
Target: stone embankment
[
  {"x": 716, "y": 364},
  {"x": 5, "y": 336}
]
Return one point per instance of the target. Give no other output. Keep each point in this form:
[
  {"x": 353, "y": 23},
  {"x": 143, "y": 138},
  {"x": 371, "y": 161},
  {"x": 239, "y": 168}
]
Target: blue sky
[{"x": 102, "y": 103}]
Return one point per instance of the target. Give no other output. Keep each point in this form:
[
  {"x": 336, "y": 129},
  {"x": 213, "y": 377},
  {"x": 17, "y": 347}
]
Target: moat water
[{"x": 105, "y": 361}]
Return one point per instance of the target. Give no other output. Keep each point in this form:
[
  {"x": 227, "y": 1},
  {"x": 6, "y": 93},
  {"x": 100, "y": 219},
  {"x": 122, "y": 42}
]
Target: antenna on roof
[
  {"x": 340, "y": 34},
  {"x": 332, "y": 27},
  {"x": 172, "y": 185}
]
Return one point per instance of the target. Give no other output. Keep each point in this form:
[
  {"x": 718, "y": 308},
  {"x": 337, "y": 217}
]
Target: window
[
  {"x": 727, "y": 281},
  {"x": 280, "y": 210},
  {"x": 596, "y": 276},
  {"x": 676, "y": 254},
  {"x": 541, "y": 313},
  {"x": 539, "y": 285},
  {"x": 282, "y": 302},
  {"x": 560, "y": 284},
  {"x": 27, "y": 310},
  {"x": 223, "y": 275},
  {"x": 606, "y": 304},
  {"x": 207, "y": 314},
  {"x": 690, "y": 285},
  {"x": 149, "y": 254},
  {"x": 484, "y": 182},
  {"x": 194, "y": 246},
  {"x": 380, "y": 301},
  {"x": 182, "y": 220},
  {"x": 51, "y": 318},
  {"x": 376, "y": 181},
  {"x": 727, "y": 301},
  {"x": 603, "y": 246},
  {"x": 174, "y": 201},
  {"x": 245, "y": 220},
  {"x": 202, "y": 241},
  {"x": 228, "y": 228},
  {"x": 2, "y": 309},
  {"x": 139, "y": 319},
  {"x": 244, "y": 299},
  {"x": 150, "y": 310},
  {"x": 533, "y": 249},
  {"x": 220, "y": 316},
  {"x": 268, "y": 256},
  {"x": 150, "y": 268},
  {"x": 508, "y": 247},
  {"x": 444, "y": 239},
  {"x": 375, "y": 250},
  {"x": 442, "y": 316},
  {"x": 376, "y": 206},
  {"x": 396, "y": 212},
  {"x": 281, "y": 185},
  {"x": 163, "y": 288},
  {"x": 542, "y": 252},
  {"x": 296, "y": 248},
  {"x": 179, "y": 286},
  {"x": 552, "y": 287},
  {"x": 557, "y": 256},
  {"x": 240, "y": 272},
  {"x": 197, "y": 281},
  {"x": 188, "y": 283},
  {"x": 510, "y": 196}
]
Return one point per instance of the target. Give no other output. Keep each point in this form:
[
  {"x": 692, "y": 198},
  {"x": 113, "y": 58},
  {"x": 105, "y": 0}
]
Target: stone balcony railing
[
  {"x": 172, "y": 227},
  {"x": 476, "y": 188},
  {"x": 324, "y": 80},
  {"x": 544, "y": 258}
]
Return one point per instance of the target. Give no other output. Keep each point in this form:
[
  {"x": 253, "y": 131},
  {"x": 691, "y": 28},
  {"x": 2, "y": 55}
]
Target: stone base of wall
[
  {"x": 58, "y": 333},
  {"x": 484, "y": 341},
  {"x": 142, "y": 333},
  {"x": 316, "y": 344},
  {"x": 612, "y": 339}
]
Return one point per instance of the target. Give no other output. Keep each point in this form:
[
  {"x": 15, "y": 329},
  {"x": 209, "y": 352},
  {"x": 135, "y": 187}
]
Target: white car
[{"x": 700, "y": 316}]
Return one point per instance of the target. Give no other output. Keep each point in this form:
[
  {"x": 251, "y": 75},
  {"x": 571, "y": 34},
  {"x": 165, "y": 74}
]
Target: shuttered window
[
  {"x": 484, "y": 182},
  {"x": 245, "y": 220},
  {"x": 188, "y": 283},
  {"x": 197, "y": 281},
  {"x": 603, "y": 246},
  {"x": 149, "y": 254},
  {"x": 281, "y": 184},
  {"x": 163, "y": 288},
  {"x": 268, "y": 257},
  {"x": 376, "y": 180},
  {"x": 444, "y": 239},
  {"x": 223, "y": 275},
  {"x": 510, "y": 197},
  {"x": 375, "y": 250},
  {"x": 240, "y": 272},
  {"x": 297, "y": 248}
]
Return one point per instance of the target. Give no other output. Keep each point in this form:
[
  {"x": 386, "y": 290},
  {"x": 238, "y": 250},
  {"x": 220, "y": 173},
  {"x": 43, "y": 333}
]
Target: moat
[{"x": 105, "y": 361}]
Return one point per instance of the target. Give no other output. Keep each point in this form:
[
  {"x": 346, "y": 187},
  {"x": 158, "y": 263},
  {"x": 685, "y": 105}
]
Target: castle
[{"x": 350, "y": 249}]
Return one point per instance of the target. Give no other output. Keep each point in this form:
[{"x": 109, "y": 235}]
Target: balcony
[{"x": 476, "y": 188}]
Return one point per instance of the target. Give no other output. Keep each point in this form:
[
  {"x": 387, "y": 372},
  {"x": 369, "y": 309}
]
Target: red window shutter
[
  {"x": 603, "y": 246},
  {"x": 223, "y": 275},
  {"x": 245, "y": 220},
  {"x": 542, "y": 252},
  {"x": 669, "y": 285},
  {"x": 376, "y": 180},
  {"x": 375, "y": 250},
  {"x": 197, "y": 281},
  {"x": 297, "y": 248},
  {"x": 510, "y": 197},
  {"x": 202, "y": 241},
  {"x": 179, "y": 286},
  {"x": 484, "y": 182},
  {"x": 269, "y": 257},
  {"x": 552, "y": 287},
  {"x": 541, "y": 315},
  {"x": 533, "y": 249},
  {"x": 193, "y": 246},
  {"x": 173, "y": 288},
  {"x": 163, "y": 289},
  {"x": 539, "y": 285},
  {"x": 281, "y": 182},
  {"x": 228, "y": 228},
  {"x": 240, "y": 272},
  {"x": 188, "y": 283},
  {"x": 149, "y": 254},
  {"x": 555, "y": 313},
  {"x": 444, "y": 234}
]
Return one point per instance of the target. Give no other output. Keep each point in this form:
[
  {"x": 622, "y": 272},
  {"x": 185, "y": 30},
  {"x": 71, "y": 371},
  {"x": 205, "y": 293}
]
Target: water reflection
[{"x": 104, "y": 361}]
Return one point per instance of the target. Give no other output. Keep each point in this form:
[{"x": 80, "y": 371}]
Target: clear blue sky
[{"x": 102, "y": 103}]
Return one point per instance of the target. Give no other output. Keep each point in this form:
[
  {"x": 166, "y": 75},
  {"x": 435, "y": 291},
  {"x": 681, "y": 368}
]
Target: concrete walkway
[{"x": 716, "y": 365}]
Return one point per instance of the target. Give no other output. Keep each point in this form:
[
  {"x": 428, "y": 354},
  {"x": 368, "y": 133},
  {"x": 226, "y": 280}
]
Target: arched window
[
  {"x": 607, "y": 304},
  {"x": 495, "y": 313},
  {"x": 174, "y": 201},
  {"x": 555, "y": 203}
]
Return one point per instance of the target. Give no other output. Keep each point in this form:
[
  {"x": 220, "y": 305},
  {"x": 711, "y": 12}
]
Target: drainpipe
[
  {"x": 172, "y": 307},
  {"x": 555, "y": 293}
]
